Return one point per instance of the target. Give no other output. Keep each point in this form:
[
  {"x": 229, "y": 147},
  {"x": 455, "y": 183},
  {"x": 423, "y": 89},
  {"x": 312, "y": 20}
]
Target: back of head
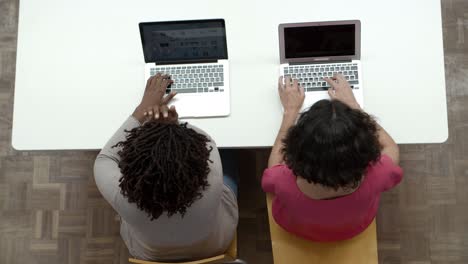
[
  {"x": 332, "y": 145},
  {"x": 164, "y": 167}
]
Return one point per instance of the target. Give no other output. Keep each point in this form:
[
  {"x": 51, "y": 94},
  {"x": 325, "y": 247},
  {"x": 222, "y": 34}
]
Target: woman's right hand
[
  {"x": 341, "y": 91},
  {"x": 291, "y": 94}
]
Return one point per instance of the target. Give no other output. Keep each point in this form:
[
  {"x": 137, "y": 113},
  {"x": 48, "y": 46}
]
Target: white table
[{"x": 80, "y": 66}]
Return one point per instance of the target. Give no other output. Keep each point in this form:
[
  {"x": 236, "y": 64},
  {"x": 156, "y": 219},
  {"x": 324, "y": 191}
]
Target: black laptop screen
[
  {"x": 184, "y": 41},
  {"x": 319, "y": 41}
]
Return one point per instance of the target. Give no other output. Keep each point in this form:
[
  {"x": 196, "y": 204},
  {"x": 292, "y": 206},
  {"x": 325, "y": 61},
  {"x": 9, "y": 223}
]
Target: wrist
[
  {"x": 289, "y": 119},
  {"x": 290, "y": 113},
  {"x": 139, "y": 114}
]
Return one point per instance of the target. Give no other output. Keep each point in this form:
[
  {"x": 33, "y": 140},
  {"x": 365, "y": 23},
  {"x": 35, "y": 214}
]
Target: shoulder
[
  {"x": 385, "y": 173},
  {"x": 279, "y": 169},
  {"x": 276, "y": 174}
]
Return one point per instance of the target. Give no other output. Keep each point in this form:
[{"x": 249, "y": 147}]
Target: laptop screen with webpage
[{"x": 184, "y": 41}]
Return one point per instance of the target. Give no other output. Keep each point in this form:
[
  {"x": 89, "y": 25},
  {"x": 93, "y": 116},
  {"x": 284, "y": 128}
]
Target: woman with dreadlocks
[{"x": 165, "y": 180}]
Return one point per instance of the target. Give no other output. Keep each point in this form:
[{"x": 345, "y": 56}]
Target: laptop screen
[
  {"x": 184, "y": 41},
  {"x": 320, "y": 41}
]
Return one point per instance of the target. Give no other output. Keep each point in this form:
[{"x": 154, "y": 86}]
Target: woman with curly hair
[
  {"x": 328, "y": 169},
  {"x": 165, "y": 180}
]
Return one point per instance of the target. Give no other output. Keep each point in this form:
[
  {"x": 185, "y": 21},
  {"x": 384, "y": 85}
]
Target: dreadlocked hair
[{"x": 164, "y": 167}]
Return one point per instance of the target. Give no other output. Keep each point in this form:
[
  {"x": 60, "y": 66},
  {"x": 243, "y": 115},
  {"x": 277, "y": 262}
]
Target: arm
[
  {"x": 340, "y": 90},
  {"x": 106, "y": 166},
  {"x": 151, "y": 106},
  {"x": 276, "y": 157},
  {"x": 292, "y": 97},
  {"x": 389, "y": 147}
]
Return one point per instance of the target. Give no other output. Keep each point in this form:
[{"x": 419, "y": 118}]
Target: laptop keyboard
[
  {"x": 311, "y": 76},
  {"x": 194, "y": 79}
]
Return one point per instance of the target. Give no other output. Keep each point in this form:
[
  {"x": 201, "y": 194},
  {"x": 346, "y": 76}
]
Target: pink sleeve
[
  {"x": 270, "y": 177},
  {"x": 388, "y": 174}
]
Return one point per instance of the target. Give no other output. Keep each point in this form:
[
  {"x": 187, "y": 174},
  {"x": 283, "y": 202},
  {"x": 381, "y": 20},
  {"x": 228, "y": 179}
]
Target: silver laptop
[
  {"x": 311, "y": 51},
  {"x": 195, "y": 54}
]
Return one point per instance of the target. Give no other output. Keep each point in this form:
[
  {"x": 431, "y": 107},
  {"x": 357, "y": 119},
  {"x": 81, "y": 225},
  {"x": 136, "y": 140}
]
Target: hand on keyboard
[
  {"x": 291, "y": 94},
  {"x": 311, "y": 76},
  {"x": 341, "y": 90},
  {"x": 162, "y": 112},
  {"x": 155, "y": 89},
  {"x": 153, "y": 98}
]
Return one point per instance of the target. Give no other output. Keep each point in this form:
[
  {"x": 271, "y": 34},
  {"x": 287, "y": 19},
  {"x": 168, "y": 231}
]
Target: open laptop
[
  {"x": 311, "y": 51},
  {"x": 195, "y": 54}
]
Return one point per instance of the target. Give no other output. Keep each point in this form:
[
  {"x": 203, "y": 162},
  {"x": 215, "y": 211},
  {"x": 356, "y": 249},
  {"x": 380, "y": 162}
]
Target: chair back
[{"x": 288, "y": 248}]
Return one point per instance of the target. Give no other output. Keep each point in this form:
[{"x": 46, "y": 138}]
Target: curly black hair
[
  {"x": 164, "y": 167},
  {"x": 332, "y": 145}
]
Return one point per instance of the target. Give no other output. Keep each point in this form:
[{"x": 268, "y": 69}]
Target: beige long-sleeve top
[{"x": 206, "y": 229}]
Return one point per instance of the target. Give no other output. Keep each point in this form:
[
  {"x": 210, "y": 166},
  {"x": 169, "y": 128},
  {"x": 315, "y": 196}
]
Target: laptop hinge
[
  {"x": 320, "y": 62},
  {"x": 186, "y": 62}
]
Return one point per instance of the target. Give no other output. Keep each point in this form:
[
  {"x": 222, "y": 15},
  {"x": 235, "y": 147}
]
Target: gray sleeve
[{"x": 106, "y": 166}]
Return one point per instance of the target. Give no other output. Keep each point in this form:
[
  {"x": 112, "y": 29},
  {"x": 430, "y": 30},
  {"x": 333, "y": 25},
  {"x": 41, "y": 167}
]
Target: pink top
[{"x": 334, "y": 219}]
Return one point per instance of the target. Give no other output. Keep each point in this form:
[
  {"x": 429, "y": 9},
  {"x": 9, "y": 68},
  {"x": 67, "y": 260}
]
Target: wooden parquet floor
[{"x": 51, "y": 211}]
